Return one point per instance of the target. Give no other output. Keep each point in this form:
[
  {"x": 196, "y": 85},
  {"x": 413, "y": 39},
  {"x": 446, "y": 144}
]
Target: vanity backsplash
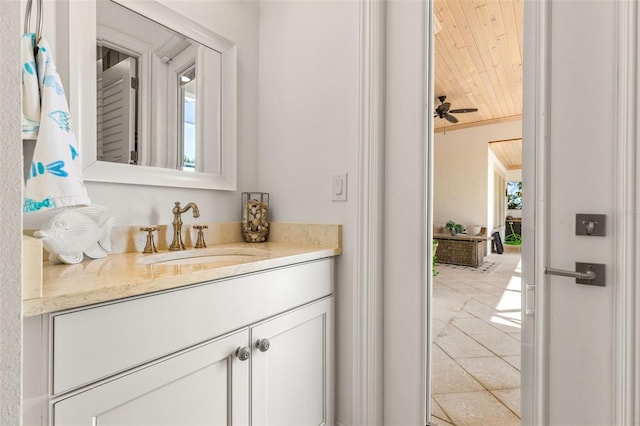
[{"x": 130, "y": 239}]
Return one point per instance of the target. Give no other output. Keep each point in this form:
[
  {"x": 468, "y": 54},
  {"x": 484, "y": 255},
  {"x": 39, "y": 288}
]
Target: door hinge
[
  {"x": 134, "y": 83},
  {"x": 134, "y": 157}
]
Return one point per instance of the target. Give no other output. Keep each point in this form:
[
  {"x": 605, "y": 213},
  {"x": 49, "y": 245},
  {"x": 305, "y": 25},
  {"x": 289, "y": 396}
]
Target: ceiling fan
[{"x": 443, "y": 110}]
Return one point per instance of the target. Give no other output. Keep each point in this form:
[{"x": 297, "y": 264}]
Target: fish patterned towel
[{"x": 55, "y": 175}]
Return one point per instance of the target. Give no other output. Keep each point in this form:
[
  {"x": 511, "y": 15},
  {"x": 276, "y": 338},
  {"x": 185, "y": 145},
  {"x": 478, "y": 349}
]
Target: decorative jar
[{"x": 255, "y": 216}]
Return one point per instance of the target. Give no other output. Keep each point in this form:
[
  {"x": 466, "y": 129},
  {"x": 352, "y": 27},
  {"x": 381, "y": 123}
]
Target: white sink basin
[{"x": 196, "y": 256}]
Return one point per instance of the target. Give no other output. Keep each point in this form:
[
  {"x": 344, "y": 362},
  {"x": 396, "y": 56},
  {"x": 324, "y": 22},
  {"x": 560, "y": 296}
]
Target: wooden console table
[{"x": 461, "y": 249}]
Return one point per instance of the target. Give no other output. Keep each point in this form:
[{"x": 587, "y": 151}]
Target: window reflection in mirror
[
  {"x": 187, "y": 117},
  {"x": 117, "y": 101}
]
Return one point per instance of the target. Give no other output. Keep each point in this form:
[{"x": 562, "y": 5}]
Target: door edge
[
  {"x": 536, "y": 113},
  {"x": 626, "y": 403}
]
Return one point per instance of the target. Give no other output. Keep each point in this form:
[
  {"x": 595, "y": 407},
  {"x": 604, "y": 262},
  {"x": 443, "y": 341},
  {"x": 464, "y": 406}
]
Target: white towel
[{"x": 55, "y": 176}]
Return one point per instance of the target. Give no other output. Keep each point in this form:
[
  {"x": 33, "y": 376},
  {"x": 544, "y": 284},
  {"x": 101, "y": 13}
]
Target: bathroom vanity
[
  {"x": 240, "y": 340},
  {"x": 242, "y": 335}
]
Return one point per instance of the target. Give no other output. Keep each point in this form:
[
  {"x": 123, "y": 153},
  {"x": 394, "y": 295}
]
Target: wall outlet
[{"x": 339, "y": 187}]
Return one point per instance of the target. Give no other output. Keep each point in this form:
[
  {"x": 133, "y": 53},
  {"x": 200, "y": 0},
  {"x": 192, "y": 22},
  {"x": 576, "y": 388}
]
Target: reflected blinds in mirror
[{"x": 116, "y": 106}]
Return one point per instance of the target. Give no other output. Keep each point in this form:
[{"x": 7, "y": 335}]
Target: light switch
[{"x": 339, "y": 187}]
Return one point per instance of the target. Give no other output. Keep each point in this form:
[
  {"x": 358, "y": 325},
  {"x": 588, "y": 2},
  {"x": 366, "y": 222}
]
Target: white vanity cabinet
[
  {"x": 291, "y": 367},
  {"x": 207, "y": 385},
  {"x": 172, "y": 358}
]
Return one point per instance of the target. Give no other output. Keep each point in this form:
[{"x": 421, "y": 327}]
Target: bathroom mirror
[{"x": 164, "y": 104}]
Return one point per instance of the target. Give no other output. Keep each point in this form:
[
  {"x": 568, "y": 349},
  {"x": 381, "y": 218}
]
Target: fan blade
[
  {"x": 461, "y": 110},
  {"x": 450, "y": 118}
]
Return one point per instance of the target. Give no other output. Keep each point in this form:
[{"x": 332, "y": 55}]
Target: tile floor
[{"x": 476, "y": 346}]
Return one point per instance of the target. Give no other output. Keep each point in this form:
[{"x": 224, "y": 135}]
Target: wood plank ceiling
[
  {"x": 478, "y": 59},
  {"x": 508, "y": 152}
]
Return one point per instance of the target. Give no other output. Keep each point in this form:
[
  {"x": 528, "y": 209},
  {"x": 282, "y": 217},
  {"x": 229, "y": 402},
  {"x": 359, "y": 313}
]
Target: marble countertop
[{"x": 123, "y": 275}]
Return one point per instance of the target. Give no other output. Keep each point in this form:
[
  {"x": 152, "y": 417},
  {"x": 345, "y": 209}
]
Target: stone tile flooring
[{"x": 476, "y": 346}]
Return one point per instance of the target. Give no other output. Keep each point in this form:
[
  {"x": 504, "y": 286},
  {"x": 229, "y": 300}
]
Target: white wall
[
  {"x": 308, "y": 126},
  {"x": 514, "y": 175},
  {"x": 136, "y": 204},
  {"x": 494, "y": 166},
  {"x": 460, "y": 172},
  {"x": 11, "y": 214}
]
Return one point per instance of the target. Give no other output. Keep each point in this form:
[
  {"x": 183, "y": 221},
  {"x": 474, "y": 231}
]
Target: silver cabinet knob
[
  {"x": 263, "y": 344},
  {"x": 243, "y": 353}
]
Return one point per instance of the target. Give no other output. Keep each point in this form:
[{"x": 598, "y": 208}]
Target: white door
[
  {"x": 291, "y": 371},
  {"x": 574, "y": 162},
  {"x": 118, "y": 112},
  {"x": 208, "y": 385}
]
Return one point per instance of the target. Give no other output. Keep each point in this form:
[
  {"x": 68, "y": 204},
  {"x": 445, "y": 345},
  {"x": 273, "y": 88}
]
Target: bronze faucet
[
  {"x": 150, "y": 247},
  {"x": 200, "y": 242},
  {"x": 177, "y": 243}
]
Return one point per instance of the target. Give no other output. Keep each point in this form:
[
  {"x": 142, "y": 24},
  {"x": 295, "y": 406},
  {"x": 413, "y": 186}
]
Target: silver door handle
[{"x": 590, "y": 274}]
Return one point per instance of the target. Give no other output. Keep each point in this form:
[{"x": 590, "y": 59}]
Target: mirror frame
[{"x": 83, "y": 103}]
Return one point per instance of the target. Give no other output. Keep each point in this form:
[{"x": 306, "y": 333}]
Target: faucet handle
[
  {"x": 150, "y": 246},
  {"x": 200, "y": 241}
]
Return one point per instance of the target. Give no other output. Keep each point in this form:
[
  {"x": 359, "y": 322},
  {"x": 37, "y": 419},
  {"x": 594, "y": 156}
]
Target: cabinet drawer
[
  {"x": 94, "y": 343},
  {"x": 206, "y": 385}
]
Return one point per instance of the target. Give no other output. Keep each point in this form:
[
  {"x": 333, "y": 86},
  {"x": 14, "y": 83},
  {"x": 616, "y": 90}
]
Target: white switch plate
[{"x": 339, "y": 187}]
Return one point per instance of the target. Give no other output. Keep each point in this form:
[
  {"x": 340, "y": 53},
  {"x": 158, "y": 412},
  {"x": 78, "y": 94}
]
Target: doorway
[
  {"x": 476, "y": 307},
  {"x": 577, "y": 371}
]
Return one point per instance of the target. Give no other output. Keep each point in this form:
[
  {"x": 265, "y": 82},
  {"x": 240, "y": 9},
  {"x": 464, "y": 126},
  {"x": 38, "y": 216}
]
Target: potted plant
[{"x": 454, "y": 228}]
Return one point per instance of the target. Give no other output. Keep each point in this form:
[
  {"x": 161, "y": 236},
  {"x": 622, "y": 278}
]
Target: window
[
  {"x": 514, "y": 195},
  {"x": 187, "y": 111}
]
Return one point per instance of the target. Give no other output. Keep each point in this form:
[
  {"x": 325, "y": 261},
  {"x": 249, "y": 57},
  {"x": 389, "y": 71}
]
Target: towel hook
[{"x": 27, "y": 19}]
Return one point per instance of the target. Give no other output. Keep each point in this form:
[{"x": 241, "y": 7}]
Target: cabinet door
[
  {"x": 206, "y": 385},
  {"x": 291, "y": 381}
]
